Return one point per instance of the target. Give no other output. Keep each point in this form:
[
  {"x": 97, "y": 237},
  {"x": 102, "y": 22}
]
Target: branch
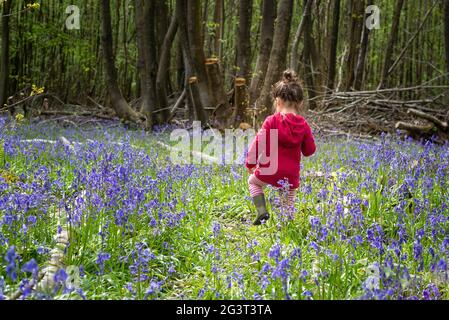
[
  {"x": 401, "y": 55},
  {"x": 440, "y": 124},
  {"x": 177, "y": 104}
]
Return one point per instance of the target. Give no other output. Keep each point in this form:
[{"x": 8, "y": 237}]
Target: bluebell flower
[
  {"x": 102, "y": 257},
  {"x": 31, "y": 267}
]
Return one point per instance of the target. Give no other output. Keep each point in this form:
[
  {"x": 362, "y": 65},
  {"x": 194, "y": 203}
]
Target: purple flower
[
  {"x": 11, "y": 261},
  {"x": 31, "y": 267},
  {"x": 275, "y": 252},
  {"x": 101, "y": 259}
]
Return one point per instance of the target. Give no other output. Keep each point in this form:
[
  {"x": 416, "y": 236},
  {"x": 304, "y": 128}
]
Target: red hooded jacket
[{"x": 294, "y": 137}]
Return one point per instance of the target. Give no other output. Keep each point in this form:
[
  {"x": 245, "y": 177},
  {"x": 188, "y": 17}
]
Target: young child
[{"x": 294, "y": 137}]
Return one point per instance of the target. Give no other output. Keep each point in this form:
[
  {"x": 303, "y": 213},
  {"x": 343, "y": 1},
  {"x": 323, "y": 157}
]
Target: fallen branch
[
  {"x": 177, "y": 104},
  {"x": 415, "y": 128},
  {"x": 443, "y": 125},
  {"x": 76, "y": 114}
]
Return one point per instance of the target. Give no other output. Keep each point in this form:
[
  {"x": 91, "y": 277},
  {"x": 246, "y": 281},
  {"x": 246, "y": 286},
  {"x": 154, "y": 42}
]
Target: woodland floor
[{"x": 371, "y": 220}]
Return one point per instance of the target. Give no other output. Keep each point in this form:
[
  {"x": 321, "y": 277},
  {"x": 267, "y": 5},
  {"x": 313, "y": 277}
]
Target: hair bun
[{"x": 289, "y": 75}]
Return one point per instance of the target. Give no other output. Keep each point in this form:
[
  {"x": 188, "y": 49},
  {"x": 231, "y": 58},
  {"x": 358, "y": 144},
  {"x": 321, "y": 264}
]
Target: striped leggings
[{"x": 256, "y": 187}]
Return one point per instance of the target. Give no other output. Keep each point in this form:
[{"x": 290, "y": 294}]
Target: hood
[{"x": 291, "y": 129}]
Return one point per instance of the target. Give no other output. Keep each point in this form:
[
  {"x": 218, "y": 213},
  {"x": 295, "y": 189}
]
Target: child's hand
[{"x": 251, "y": 170}]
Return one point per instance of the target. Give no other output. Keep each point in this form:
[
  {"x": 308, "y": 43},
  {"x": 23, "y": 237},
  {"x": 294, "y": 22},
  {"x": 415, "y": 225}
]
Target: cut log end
[
  {"x": 210, "y": 61},
  {"x": 240, "y": 82},
  {"x": 415, "y": 128},
  {"x": 192, "y": 80}
]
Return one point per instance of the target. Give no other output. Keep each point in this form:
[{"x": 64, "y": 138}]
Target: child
[{"x": 294, "y": 137}]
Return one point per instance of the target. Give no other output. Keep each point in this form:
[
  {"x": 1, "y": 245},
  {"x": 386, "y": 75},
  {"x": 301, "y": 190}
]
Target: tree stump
[
  {"x": 241, "y": 102},
  {"x": 222, "y": 107}
]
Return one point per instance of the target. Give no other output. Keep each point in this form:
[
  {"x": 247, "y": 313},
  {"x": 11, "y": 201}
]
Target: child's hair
[{"x": 290, "y": 90}]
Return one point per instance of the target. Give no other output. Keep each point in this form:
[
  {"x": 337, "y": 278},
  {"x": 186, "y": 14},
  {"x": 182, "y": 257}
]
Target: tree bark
[
  {"x": 333, "y": 47},
  {"x": 164, "y": 64},
  {"x": 391, "y": 43},
  {"x": 355, "y": 32},
  {"x": 119, "y": 104},
  {"x": 278, "y": 55},
  {"x": 241, "y": 102},
  {"x": 161, "y": 23},
  {"x": 197, "y": 51},
  {"x": 143, "y": 23},
  {"x": 243, "y": 40},
  {"x": 218, "y": 27},
  {"x": 4, "y": 59},
  {"x": 195, "y": 99},
  {"x": 446, "y": 34},
  {"x": 266, "y": 43},
  {"x": 360, "y": 68},
  {"x": 294, "y": 61},
  {"x": 307, "y": 60},
  {"x": 189, "y": 65}
]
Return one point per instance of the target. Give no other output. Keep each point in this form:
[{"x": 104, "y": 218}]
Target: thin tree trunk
[
  {"x": 164, "y": 63},
  {"x": 189, "y": 67},
  {"x": 145, "y": 65},
  {"x": 355, "y": 31},
  {"x": 266, "y": 43},
  {"x": 411, "y": 39},
  {"x": 294, "y": 61},
  {"x": 243, "y": 40},
  {"x": 308, "y": 70},
  {"x": 333, "y": 47},
  {"x": 360, "y": 68},
  {"x": 391, "y": 43},
  {"x": 119, "y": 104},
  {"x": 4, "y": 59},
  {"x": 278, "y": 55},
  {"x": 218, "y": 21},
  {"x": 446, "y": 33}
]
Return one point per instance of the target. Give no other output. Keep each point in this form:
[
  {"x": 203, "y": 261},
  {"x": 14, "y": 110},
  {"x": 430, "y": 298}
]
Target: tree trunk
[
  {"x": 243, "y": 40},
  {"x": 164, "y": 64},
  {"x": 197, "y": 51},
  {"x": 278, "y": 55},
  {"x": 214, "y": 78},
  {"x": 360, "y": 68},
  {"x": 446, "y": 33},
  {"x": 119, "y": 104},
  {"x": 189, "y": 67},
  {"x": 333, "y": 47},
  {"x": 391, "y": 43},
  {"x": 218, "y": 22},
  {"x": 161, "y": 23},
  {"x": 294, "y": 61},
  {"x": 307, "y": 59},
  {"x": 4, "y": 59},
  {"x": 195, "y": 99},
  {"x": 266, "y": 43},
  {"x": 146, "y": 56},
  {"x": 240, "y": 102},
  {"x": 355, "y": 32}
]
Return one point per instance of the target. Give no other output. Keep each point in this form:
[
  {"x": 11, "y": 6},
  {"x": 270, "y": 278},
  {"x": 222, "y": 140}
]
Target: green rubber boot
[{"x": 262, "y": 212}]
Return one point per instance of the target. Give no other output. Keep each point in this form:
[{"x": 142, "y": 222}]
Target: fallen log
[
  {"x": 415, "y": 128},
  {"x": 442, "y": 125}
]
